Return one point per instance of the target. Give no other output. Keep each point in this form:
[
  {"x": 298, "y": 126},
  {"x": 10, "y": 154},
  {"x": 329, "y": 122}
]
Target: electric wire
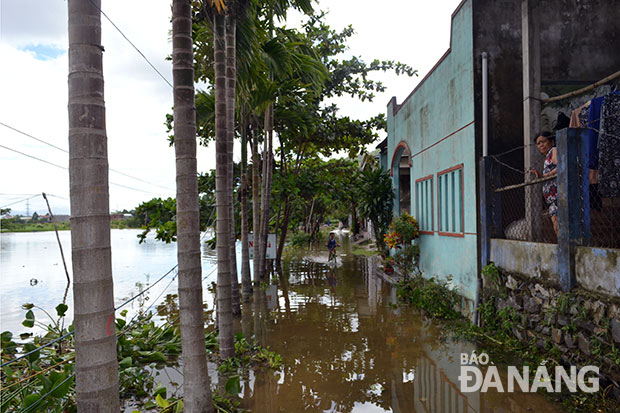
[
  {"x": 6, "y": 363},
  {"x": 120, "y": 306},
  {"x": 66, "y": 151},
  {"x": 133, "y": 45},
  {"x": 66, "y": 169},
  {"x": 38, "y": 373},
  {"x": 46, "y": 395},
  {"x": 20, "y": 201}
]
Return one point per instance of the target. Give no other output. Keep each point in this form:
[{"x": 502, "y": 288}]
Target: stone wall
[{"x": 577, "y": 328}]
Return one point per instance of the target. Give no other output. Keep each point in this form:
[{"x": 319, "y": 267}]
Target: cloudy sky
[{"x": 33, "y": 89}]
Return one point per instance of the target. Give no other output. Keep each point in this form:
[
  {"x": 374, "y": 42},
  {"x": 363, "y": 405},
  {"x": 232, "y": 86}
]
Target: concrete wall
[
  {"x": 579, "y": 43},
  {"x": 383, "y": 161},
  {"x": 437, "y": 123},
  {"x": 598, "y": 269},
  {"x": 497, "y": 31},
  {"x": 530, "y": 259},
  {"x": 579, "y": 40}
]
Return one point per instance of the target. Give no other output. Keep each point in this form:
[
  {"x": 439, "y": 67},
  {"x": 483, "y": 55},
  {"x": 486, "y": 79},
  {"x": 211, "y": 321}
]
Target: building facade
[{"x": 431, "y": 152}]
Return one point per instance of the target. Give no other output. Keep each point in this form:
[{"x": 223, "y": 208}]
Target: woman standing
[{"x": 545, "y": 142}]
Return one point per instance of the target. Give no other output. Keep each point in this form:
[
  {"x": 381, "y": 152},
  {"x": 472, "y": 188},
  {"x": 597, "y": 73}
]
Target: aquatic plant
[{"x": 44, "y": 380}]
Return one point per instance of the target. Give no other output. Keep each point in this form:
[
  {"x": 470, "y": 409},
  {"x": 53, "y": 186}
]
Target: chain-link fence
[
  {"x": 600, "y": 210},
  {"x": 518, "y": 209}
]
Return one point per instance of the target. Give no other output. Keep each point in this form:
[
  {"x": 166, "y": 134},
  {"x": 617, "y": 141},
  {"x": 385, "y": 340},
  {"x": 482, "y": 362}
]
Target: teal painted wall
[{"x": 436, "y": 123}]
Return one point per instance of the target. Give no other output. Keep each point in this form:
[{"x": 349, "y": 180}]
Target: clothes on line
[
  {"x": 601, "y": 116},
  {"x": 609, "y": 147},
  {"x": 577, "y": 117},
  {"x": 594, "y": 116}
]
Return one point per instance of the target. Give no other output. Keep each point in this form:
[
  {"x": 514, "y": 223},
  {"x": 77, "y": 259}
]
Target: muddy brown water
[{"x": 346, "y": 348}]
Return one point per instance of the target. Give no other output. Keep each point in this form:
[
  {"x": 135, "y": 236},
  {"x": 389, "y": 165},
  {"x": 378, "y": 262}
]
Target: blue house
[
  {"x": 431, "y": 150},
  {"x": 438, "y": 134}
]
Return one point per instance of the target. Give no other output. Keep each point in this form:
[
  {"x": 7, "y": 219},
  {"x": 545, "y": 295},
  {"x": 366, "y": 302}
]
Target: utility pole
[{"x": 531, "y": 112}]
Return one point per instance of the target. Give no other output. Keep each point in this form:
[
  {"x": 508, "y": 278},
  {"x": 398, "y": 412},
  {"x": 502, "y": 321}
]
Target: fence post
[{"x": 573, "y": 200}]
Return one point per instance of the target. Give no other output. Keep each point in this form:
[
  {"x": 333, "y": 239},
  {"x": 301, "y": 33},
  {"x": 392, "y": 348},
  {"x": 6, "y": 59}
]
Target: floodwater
[
  {"x": 345, "y": 346},
  {"x": 31, "y": 271}
]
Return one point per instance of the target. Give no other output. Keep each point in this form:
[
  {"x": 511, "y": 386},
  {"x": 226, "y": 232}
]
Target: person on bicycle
[{"x": 331, "y": 245}]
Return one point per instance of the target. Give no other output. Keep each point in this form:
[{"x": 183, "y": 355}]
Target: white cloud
[{"x": 34, "y": 91}]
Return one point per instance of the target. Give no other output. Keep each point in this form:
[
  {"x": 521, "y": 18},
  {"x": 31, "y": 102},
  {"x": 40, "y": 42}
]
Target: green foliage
[
  {"x": 406, "y": 227},
  {"x": 18, "y": 225},
  {"x": 160, "y": 214},
  {"x": 491, "y": 272},
  {"x": 376, "y": 201},
  {"x": 45, "y": 372},
  {"x": 299, "y": 239},
  {"x": 403, "y": 231},
  {"x": 433, "y": 296}
]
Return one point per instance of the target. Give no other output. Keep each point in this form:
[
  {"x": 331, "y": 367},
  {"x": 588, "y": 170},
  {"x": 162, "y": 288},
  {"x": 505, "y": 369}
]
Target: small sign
[{"x": 271, "y": 246}]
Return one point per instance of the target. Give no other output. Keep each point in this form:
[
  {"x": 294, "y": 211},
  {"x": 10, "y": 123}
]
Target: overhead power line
[
  {"x": 33, "y": 157},
  {"x": 20, "y": 201},
  {"x": 66, "y": 151},
  {"x": 66, "y": 169},
  {"x": 32, "y": 137},
  {"x": 133, "y": 45}
]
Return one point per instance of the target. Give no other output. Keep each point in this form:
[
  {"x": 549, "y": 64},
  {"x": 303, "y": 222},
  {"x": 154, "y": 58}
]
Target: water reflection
[
  {"x": 347, "y": 349},
  {"x": 35, "y": 256}
]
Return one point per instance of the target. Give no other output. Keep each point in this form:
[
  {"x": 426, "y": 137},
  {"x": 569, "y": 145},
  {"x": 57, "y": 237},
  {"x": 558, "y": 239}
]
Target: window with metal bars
[
  {"x": 450, "y": 201},
  {"x": 424, "y": 204}
]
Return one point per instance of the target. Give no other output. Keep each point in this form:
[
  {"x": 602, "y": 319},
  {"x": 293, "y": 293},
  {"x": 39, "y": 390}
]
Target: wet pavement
[{"x": 347, "y": 348}]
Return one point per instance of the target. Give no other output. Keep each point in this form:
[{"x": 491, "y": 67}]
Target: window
[
  {"x": 424, "y": 204},
  {"x": 450, "y": 201}
]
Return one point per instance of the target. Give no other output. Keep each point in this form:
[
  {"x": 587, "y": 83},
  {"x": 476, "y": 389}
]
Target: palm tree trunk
[
  {"x": 246, "y": 281},
  {"x": 255, "y": 205},
  {"x": 266, "y": 193},
  {"x": 196, "y": 383},
  {"x": 96, "y": 363},
  {"x": 283, "y": 231},
  {"x": 231, "y": 80},
  {"x": 222, "y": 193}
]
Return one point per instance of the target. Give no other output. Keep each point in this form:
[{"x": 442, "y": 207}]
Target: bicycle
[{"x": 332, "y": 255}]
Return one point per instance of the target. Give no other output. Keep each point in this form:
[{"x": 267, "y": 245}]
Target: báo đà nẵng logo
[{"x": 472, "y": 377}]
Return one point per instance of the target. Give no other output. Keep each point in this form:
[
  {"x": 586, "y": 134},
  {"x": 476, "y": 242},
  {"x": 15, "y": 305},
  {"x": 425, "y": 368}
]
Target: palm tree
[
  {"x": 196, "y": 383},
  {"x": 222, "y": 191},
  {"x": 231, "y": 81},
  {"x": 246, "y": 281},
  {"x": 96, "y": 363}
]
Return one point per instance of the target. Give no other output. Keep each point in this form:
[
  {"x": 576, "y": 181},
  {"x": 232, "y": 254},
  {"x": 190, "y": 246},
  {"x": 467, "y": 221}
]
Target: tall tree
[
  {"x": 96, "y": 363},
  {"x": 376, "y": 197},
  {"x": 234, "y": 7},
  {"x": 222, "y": 191},
  {"x": 196, "y": 383},
  {"x": 246, "y": 281}
]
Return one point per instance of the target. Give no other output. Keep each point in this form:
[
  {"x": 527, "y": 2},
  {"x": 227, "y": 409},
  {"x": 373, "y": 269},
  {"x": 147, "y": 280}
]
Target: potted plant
[
  {"x": 402, "y": 232},
  {"x": 388, "y": 265}
]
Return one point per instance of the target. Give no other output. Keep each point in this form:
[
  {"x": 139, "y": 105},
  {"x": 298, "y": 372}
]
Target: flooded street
[
  {"x": 345, "y": 345},
  {"x": 346, "y": 348}
]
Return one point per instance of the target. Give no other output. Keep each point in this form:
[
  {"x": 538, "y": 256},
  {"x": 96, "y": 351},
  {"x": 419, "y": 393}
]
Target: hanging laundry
[
  {"x": 594, "y": 120},
  {"x": 609, "y": 147},
  {"x": 579, "y": 116}
]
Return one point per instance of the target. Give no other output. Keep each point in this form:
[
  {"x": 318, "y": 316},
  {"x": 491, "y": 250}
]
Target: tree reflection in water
[{"x": 346, "y": 348}]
